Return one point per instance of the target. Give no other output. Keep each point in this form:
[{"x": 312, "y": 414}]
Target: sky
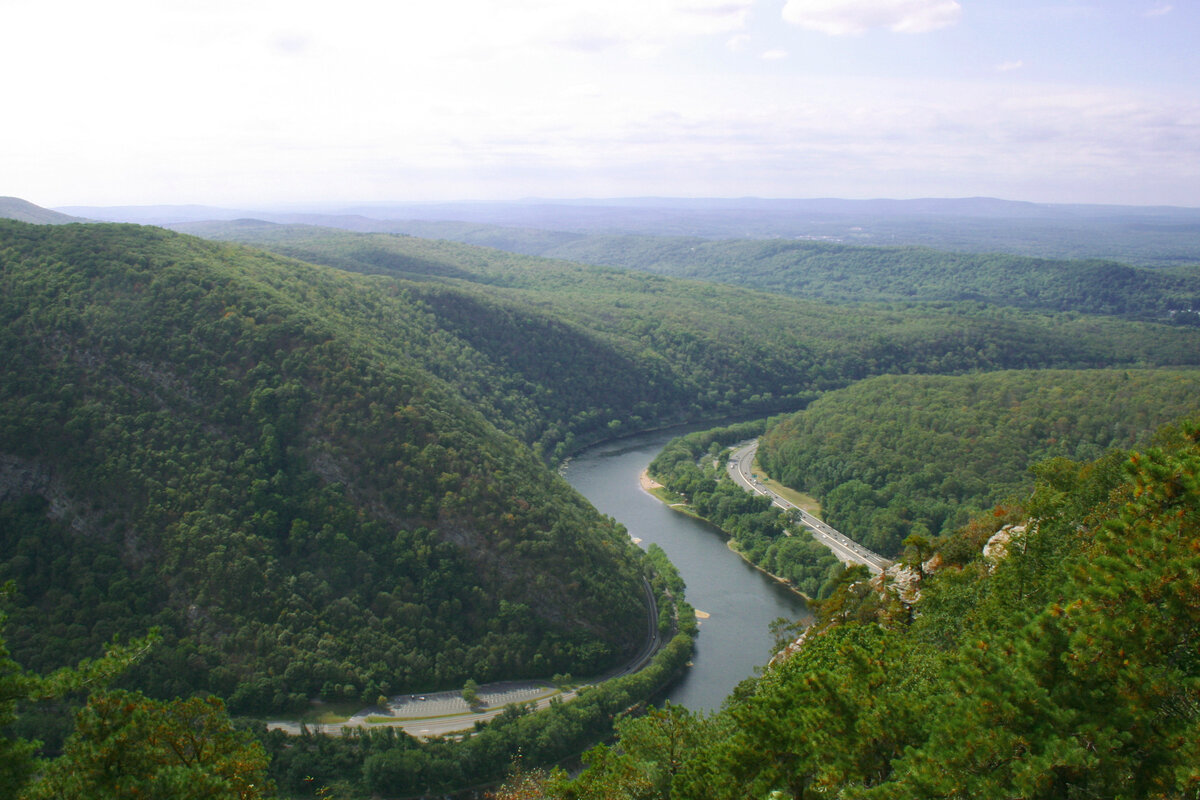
[{"x": 255, "y": 102}]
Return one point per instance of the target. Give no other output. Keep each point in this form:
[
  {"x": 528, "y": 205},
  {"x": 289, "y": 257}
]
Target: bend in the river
[{"x": 740, "y": 601}]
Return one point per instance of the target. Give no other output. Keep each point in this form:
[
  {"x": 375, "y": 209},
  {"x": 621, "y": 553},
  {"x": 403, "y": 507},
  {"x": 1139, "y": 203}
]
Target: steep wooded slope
[
  {"x": 1064, "y": 667},
  {"x": 644, "y": 347},
  {"x": 895, "y": 455},
  {"x": 253, "y": 454},
  {"x": 293, "y": 469}
]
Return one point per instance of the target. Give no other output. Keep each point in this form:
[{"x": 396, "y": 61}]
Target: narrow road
[
  {"x": 649, "y": 647},
  {"x": 740, "y": 465},
  {"x": 443, "y": 713}
]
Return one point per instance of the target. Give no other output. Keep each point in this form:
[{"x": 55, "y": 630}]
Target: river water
[{"x": 741, "y": 601}]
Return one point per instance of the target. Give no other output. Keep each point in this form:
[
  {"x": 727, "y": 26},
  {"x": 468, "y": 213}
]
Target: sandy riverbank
[{"x": 647, "y": 482}]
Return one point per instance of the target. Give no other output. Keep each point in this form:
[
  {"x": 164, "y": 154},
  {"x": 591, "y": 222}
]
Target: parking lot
[{"x": 413, "y": 706}]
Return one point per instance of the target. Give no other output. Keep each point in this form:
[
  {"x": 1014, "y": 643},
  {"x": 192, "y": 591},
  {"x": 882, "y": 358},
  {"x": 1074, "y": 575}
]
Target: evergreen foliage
[
  {"x": 1066, "y": 668},
  {"x": 120, "y": 751},
  {"x": 126, "y": 745}
]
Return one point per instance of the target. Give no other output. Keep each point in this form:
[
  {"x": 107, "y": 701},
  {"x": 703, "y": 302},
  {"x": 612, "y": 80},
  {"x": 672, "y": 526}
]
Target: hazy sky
[{"x": 241, "y": 102}]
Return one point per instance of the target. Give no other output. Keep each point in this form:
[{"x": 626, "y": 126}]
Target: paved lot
[
  {"x": 439, "y": 713},
  {"x": 446, "y": 713},
  {"x": 498, "y": 695}
]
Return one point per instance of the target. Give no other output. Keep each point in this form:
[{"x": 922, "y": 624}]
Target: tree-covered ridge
[
  {"x": 853, "y": 274},
  {"x": 1066, "y": 666},
  {"x": 384, "y": 762},
  {"x": 292, "y": 470},
  {"x": 252, "y": 454},
  {"x": 123, "y": 744},
  {"x": 697, "y": 349},
  {"x": 896, "y": 455}
]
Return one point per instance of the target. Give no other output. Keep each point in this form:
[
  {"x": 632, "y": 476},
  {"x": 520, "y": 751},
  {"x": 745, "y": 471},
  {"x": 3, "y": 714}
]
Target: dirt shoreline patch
[{"x": 647, "y": 482}]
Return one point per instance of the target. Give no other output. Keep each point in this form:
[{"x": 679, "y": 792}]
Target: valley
[
  {"x": 668, "y": 400},
  {"x": 317, "y": 466}
]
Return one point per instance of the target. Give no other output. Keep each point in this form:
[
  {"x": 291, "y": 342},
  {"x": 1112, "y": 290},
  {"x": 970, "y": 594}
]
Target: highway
[{"x": 741, "y": 462}]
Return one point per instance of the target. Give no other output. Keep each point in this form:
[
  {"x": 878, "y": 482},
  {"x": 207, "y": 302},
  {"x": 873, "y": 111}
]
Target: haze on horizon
[{"x": 231, "y": 103}]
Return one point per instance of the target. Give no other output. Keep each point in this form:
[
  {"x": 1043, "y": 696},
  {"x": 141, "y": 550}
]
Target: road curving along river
[{"x": 740, "y": 601}]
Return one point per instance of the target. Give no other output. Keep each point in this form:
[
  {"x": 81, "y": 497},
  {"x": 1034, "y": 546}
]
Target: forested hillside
[
  {"x": 331, "y": 482},
  {"x": 851, "y": 274},
  {"x": 688, "y": 349},
  {"x": 252, "y": 454},
  {"x": 897, "y": 455},
  {"x": 1063, "y": 665},
  {"x": 692, "y": 468}
]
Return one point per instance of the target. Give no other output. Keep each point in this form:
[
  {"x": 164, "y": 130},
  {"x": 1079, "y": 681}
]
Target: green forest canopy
[
  {"x": 693, "y": 468},
  {"x": 253, "y": 454},
  {"x": 255, "y": 437},
  {"x": 829, "y": 271},
  {"x": 281, "y": 465},
  {"x": 1067, "y": 667},
  {"x": 844, "y": 273},
  {"x": 726, "y": 350},
  {"x": 894, "y": 455}
]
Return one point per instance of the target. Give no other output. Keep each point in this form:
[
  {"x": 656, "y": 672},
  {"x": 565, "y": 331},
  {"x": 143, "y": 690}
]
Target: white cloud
[
  {"x": 1159, "y": 10},
  {"x": 645, "y": 27},
  {"x": 284, "y": 99},
  {"x": 739, "y": 43},
  {"x": 846, "y": 17},
  {"x": 774, "y": 55},
  {"x": 292, "y": 45},
  {"x": 1009, "y": 66},
  {"x": 778, "y": 135}
]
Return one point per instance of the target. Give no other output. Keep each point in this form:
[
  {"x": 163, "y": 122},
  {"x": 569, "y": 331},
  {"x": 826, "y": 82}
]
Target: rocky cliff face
[
  {"x": 902, "y": 582},
  {"x": 21, "y": 477},
  {"x": 998, "y": 547}
]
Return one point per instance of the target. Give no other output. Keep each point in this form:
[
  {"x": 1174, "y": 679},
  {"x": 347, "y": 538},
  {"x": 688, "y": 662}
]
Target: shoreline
[
  {"x": 781, "y": 581},
  {"x": 648, "y": 484}
]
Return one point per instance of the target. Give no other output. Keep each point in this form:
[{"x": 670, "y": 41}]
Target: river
[{"x": 741, "y": 602}]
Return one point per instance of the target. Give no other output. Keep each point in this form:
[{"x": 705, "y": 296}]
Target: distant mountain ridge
[
  {"x": 845, "y": 273},
  {"x": 1141, "y": 235},
  {"x": 25, "y": 211}
]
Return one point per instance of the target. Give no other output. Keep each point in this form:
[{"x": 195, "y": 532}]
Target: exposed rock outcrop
[
  {"x": 997, "y": 547},
  {"x": 20, "y": 477}
]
